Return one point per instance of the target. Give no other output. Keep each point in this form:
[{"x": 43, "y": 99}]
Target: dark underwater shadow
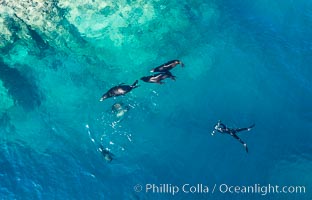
[{"x": 19, "y": 87}]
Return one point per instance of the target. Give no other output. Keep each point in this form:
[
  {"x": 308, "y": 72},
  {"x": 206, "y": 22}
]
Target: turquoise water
[{"x": 245, "y": 62}]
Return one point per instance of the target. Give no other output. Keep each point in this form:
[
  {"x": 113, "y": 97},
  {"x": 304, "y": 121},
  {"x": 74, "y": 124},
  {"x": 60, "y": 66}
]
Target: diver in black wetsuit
[{"x": 222, "y": 128}]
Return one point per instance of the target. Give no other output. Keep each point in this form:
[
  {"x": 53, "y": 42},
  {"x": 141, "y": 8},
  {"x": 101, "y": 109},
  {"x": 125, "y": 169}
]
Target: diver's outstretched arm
[
  {"x": 250, "y": 127},
  {"x": 245, "y": 129},
  {"x": 241, "y": 129},
  {"x": 241, "y": 141}
]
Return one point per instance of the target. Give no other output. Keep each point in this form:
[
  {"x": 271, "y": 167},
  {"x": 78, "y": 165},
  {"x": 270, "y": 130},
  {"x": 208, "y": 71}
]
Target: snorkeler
[
  {"x": 118, "y": 90},
  {"x": 222, "y": 128},
  {"x": 108, "y": 156},
  {"x": 167, "y": 66}
]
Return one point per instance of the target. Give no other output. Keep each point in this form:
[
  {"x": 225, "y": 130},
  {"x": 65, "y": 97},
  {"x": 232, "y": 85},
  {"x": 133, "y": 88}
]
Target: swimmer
[
  {"x": 157, "y": 78},
  {"x": 222, "y": 128},
  {"x": 108, "y": 156},
  {"x": 121, "y": 89},
  {"x": 167, "y": 66}
]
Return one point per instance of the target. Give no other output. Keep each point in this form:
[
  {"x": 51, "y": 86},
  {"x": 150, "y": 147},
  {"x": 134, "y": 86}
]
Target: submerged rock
[
  {"x": 109, "y": 35},
  {"x": 38, "y": 21},
  {"x": 18, "y": 87},
  {"x": 5, "y": 99}
]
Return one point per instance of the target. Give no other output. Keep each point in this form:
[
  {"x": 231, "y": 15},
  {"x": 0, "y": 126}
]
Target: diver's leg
[{"x": 241, "y": 141}]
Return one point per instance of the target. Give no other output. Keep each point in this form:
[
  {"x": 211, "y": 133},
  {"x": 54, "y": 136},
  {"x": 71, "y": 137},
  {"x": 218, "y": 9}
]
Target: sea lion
[
  {"x": 118, "y": 90},
  {"x": 108, "y": 156},
  {"x": 167, "y": 66},
  {"x": 119, "y": 109},
  {"x": 157, "y": 78}
]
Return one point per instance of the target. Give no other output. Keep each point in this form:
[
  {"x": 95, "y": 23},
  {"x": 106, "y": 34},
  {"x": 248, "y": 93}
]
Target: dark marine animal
[
  {"x": 118, "y": 90},
  {"x": 108, "y": 156},
  {"x": 157, "y": 78},
  {"x": 167, "y": 66}
]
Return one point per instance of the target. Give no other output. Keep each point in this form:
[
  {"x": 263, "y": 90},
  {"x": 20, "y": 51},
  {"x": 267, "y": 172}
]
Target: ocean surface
[{"x": 245, "y": 62}]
